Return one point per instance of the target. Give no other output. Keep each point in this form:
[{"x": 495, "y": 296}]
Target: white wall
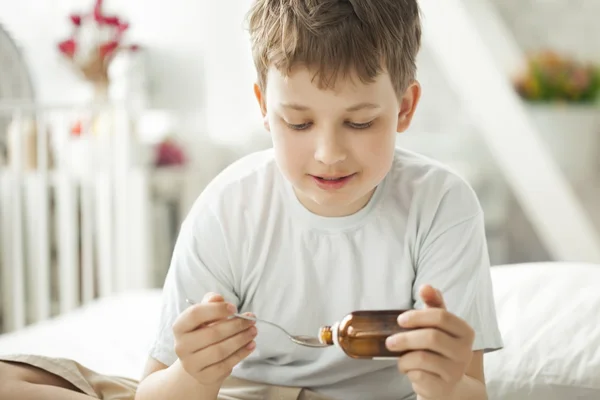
[
  {"x": 187, "y": 41},
  {"x": 569, "y": 26}
]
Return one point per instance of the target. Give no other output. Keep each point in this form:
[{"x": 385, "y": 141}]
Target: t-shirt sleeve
[
  {"x": 454, "y": 259},
  {"x": 200, "y": 264}
]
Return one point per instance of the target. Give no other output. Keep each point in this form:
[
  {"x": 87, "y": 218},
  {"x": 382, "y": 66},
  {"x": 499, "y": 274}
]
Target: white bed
[
  {"x": 549, "y": 315},
  {"x": 101, "y": 335}
]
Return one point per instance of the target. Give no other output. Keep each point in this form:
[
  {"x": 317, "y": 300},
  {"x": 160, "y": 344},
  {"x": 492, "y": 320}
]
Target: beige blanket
[{"x": 99, "y": 386}]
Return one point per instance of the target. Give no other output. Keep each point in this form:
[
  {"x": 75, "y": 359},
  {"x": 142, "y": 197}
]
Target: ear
[
  {"x": 408, "y": 106},
  {"x": 262, "y": 104}
]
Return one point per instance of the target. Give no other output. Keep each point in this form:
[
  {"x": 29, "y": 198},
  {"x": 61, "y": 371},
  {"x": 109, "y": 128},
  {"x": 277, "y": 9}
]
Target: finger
[
  {"x": 429, "y": 362},
  {"x": 427, "y": 339},
  {"x": 427, "y": 385},
  {"x": 437, "y": 318},
  {"x": 432, "y": 297},
  {"x": 199, "y": 314},
  {"x": 212, "y": 297},
  {"x": 219, "y": 352},
  {"x": 223, "y": 368},
  {"x": 214, "y": 333}
]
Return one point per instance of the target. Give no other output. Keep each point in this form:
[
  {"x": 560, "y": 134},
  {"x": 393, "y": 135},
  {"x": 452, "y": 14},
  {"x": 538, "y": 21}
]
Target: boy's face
[{"x": 334, "y": 146}]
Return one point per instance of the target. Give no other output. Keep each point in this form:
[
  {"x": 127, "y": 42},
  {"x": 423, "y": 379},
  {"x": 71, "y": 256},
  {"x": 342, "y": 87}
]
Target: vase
[
  {"x": 100, "y": 93},
  {"x": 572, "y": 134}
]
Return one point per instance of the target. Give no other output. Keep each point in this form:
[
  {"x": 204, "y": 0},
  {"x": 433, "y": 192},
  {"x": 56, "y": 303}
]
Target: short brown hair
[{"x": 335, "y": 37}]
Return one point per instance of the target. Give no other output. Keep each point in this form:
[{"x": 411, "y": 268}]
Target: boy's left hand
[{"x": 439, "y": 352}]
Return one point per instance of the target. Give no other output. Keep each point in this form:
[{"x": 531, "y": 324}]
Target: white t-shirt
[{"x": 248, "y": 238}]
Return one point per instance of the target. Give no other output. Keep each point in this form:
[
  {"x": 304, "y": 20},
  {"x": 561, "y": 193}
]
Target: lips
[
  {"x": 332, "y": 177},
  {"x": 337, "y": 178},
  {"x": 332, "y": 182}
]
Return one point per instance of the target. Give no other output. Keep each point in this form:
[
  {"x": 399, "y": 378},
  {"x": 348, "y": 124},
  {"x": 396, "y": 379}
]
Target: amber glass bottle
[{"x": 362, "y": 334}]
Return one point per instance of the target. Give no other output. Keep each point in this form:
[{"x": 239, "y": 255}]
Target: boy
[{"x": 333, "y": 219}]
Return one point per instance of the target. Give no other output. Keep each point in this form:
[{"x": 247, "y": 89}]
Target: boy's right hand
[{"x": 209, "y": 344}]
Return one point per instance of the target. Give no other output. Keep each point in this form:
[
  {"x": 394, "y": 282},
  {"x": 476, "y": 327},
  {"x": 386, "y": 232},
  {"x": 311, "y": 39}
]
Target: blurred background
[{"x": 115, "y": 114}]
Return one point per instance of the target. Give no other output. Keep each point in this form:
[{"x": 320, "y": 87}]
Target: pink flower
[
  {"x": 108, "y": 48},
  {"x": 110, "y": 24},
  {"x": 169, "y": 153},
  {"x": 98, "y": 17},
  {"x": 76, "y": 129},
  {"x": 68, "y": 47},
  {"x": 98, "y": 10},
  {"x": 111, "y": 21},
  {"x": 76, "y": 19}
]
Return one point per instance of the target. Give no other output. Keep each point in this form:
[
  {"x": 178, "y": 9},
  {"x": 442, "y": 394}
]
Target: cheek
[
  {"x": 290, "y": 150},
  {"x": 376, "y": 149}
]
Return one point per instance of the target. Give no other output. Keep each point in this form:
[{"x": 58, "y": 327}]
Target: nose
[{"x": 329, "y": 150}]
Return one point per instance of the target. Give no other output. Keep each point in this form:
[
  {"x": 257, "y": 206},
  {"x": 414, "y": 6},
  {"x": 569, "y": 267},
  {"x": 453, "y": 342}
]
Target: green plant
[{"x": 550, "y": 77}]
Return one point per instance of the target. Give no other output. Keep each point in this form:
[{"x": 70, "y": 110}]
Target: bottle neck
[{"x": 326, "y": 335}]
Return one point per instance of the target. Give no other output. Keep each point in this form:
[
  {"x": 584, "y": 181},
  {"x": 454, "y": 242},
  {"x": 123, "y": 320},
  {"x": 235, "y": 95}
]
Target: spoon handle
[{"x": 246, "y": 317}]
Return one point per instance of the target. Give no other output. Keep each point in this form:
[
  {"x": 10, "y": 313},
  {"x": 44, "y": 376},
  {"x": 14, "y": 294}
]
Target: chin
[{"x": 334, "y": 200}]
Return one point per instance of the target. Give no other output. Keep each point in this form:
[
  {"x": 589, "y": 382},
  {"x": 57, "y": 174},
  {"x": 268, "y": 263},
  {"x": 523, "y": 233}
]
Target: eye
[
  {"x": 299, "y": 127},
  {"x": 360, "y": 126}
]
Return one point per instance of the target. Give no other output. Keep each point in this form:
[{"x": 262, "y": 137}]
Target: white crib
[{"x": 74, "y": 226}]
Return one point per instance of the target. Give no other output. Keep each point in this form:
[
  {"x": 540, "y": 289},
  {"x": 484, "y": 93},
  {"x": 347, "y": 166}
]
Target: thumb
[
  {"x": 432, "y": 297},
  {"x": 212, "y": 297}
]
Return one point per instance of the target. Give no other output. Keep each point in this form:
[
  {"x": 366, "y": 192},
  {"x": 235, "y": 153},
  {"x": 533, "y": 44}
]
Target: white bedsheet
[
  {"x": 548, "y": 314},
  {"x": 111, "y": 335}
]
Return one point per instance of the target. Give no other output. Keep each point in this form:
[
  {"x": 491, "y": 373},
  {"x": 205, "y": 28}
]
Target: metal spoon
[{"x": 302, "y": 340}]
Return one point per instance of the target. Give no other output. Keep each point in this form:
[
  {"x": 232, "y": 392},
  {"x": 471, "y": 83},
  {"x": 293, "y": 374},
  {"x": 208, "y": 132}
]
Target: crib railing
[{"x": 74, "y": 210}]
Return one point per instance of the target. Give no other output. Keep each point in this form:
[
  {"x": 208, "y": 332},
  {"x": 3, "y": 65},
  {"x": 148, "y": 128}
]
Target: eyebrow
[{"x": 356, "y": 107}]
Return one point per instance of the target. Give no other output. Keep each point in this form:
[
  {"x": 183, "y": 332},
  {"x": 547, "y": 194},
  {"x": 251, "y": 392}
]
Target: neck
[{"x": 335, "y": 211}]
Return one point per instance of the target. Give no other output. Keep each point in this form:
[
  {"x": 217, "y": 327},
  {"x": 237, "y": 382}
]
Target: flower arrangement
[
  {"x": 95, "y": 40},
  {"x": 169, "y": 153},
  {"x": 550, "y": 77}
]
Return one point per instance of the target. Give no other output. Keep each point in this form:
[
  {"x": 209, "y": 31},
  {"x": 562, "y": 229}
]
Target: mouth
[{"x": 332, "y": 182}]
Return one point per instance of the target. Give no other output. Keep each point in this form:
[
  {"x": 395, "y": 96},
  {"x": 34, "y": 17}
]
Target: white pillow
[{"x": 549, "y": 316}]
